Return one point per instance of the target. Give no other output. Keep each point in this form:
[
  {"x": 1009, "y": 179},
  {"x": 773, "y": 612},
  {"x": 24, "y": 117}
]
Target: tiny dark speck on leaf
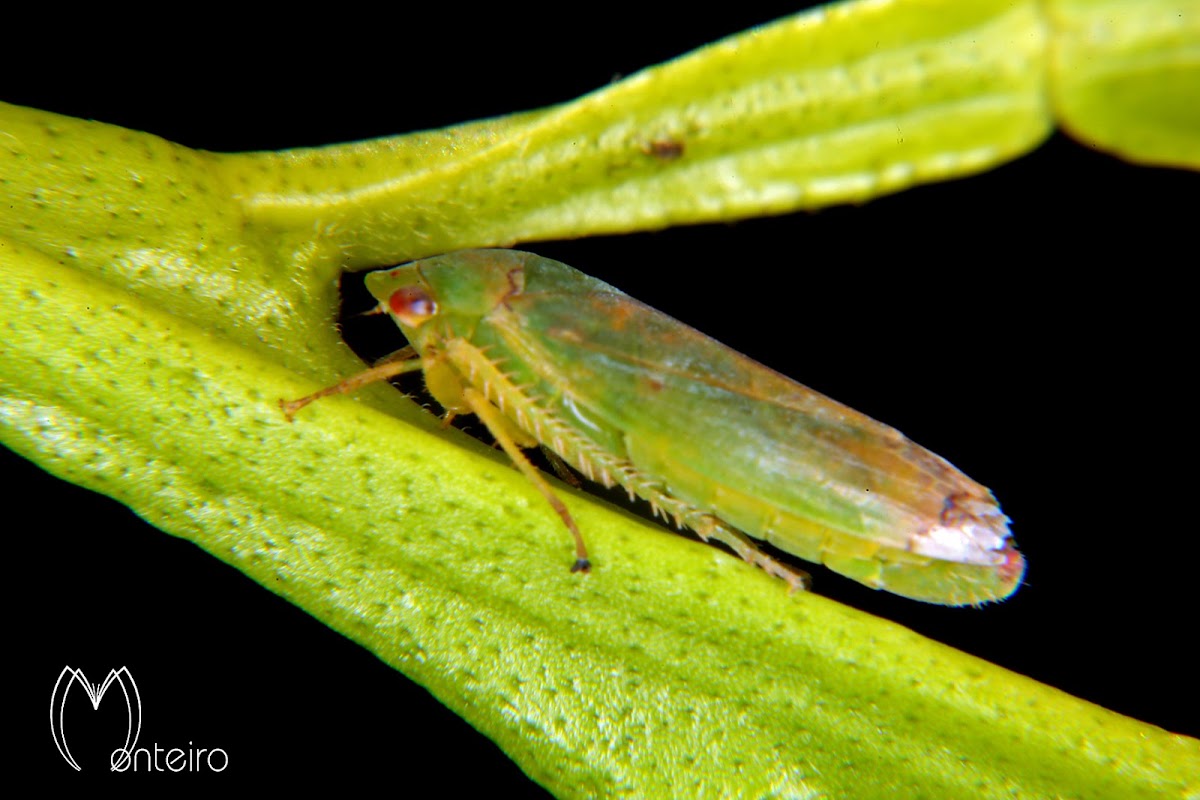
[{"x": 664, "y": 149}]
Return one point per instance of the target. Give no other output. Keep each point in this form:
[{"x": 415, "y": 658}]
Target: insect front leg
[
  {"x": 711, "y": 528},
  {"x": 503, "y": 430},
  {"x": 402, "y": 361}
]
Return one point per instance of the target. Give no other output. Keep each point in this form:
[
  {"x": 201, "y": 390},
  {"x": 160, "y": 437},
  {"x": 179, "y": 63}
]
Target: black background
[{"x": 1030, "y": 324}]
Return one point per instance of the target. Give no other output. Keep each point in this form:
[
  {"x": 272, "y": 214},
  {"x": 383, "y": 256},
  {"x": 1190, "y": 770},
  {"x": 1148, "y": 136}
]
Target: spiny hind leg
[
  {"x": 503, "y": 430},
  {"x": 710, "y": 528}
]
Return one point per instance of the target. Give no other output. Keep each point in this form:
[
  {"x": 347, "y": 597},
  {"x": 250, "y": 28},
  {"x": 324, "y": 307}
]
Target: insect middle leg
[{"x": 503, "y": 430}]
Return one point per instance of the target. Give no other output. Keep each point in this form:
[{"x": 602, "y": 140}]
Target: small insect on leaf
[{"x": 545, "y": 355}]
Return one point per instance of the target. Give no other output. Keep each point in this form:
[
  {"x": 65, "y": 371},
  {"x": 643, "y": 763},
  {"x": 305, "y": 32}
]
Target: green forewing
[{"x": 713, "y": 421}]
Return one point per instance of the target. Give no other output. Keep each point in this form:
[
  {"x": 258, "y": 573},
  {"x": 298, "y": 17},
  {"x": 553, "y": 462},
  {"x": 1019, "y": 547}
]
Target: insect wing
[{"x": 732, "y": 437}]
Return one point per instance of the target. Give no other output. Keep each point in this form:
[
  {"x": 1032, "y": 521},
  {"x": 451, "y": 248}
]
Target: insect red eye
[{"x": 412, "y": 305}]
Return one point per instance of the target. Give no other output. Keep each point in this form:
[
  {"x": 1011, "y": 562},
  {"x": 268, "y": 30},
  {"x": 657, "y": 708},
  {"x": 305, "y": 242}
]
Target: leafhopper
[{"x": 545, "y": 355}]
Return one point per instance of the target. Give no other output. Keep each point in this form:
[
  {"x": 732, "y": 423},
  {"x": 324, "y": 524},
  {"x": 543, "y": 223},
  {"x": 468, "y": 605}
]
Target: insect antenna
[{"x": 373, "y": 311}]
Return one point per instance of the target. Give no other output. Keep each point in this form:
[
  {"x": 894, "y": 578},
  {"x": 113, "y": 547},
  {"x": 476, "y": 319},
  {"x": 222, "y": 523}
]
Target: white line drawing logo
[{"x": 95, "y": 692}]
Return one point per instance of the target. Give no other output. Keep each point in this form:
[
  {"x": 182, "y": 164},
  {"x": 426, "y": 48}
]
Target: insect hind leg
[{"x": 711, "y": 528}]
